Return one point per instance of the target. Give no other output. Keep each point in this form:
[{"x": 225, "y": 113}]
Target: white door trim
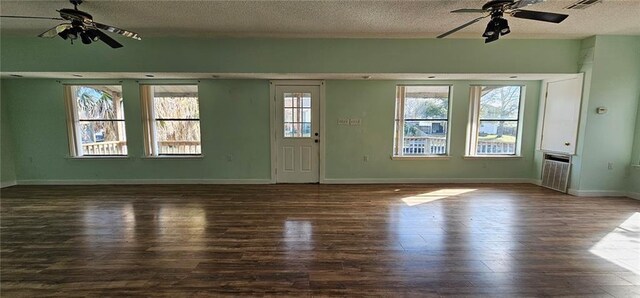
[{"x": 272, "y": 122}]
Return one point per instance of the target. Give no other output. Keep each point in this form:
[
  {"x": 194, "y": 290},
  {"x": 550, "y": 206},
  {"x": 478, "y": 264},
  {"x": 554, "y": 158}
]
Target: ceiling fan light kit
[
  {"x": 498, "y": 25},
  {"x": 81, "y": 26}
]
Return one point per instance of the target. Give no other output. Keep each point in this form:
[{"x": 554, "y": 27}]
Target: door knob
[
  {"x": 316, "y": 140},
  {"x": 316, "y": 134},
  {"x": 567, "y": 143}
]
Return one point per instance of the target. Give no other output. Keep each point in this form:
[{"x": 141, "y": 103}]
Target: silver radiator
[{"x": 555, "y": 171}]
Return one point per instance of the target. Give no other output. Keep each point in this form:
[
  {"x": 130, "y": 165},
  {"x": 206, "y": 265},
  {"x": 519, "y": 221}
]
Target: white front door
[{"x": 297, "y": 134}]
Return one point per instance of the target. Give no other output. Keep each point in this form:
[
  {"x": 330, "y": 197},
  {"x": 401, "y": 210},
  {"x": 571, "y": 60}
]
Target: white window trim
[
  {"x": 398, "y": 153},
  {"x": 73, "y": 125},
  {"x": 475, "y": 92},
  {"x": 149, "y": 124}
]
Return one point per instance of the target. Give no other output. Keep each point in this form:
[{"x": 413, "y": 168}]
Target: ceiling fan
[
  {"x": 498, "y": 25},
  {"x": 80, "y": 25}
]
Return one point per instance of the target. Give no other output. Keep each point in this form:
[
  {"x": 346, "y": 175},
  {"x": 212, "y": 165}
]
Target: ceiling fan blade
[
  {"x": 108, "y": 40},
  {"x": 524, "y": 3},
  {"x": 539, "y": 16},
  {"x": 31, "y": 17},
  {"x": 53, "y": 32},
  {"x": 117, "y": 30},
  {"x": 468, "y": 10},
  {"x": 443, "y": 35}
]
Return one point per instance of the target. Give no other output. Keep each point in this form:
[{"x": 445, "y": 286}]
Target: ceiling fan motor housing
[{"x": 496, "y": 4}]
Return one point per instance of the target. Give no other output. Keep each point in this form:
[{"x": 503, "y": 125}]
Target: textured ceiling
[{"x": 394, "y": 19}]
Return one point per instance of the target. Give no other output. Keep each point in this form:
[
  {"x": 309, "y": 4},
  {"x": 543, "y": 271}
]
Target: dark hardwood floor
[{"x": 513, "y": 240}]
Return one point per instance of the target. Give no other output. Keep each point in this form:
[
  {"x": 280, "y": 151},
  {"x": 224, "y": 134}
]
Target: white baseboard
[
  {"x": 143, "y": 181},
  {"x": 634, "y": 195},
  {"x": 597, "y": 193},
  {"x": 4, "y": 184},
  {"x": 537, "y": 182},
  {"x": 425, "y": 180}
]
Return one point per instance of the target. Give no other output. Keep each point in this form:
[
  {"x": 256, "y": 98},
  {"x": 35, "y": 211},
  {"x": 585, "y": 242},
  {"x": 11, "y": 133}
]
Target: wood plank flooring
[{"x": 512, "y": 240}]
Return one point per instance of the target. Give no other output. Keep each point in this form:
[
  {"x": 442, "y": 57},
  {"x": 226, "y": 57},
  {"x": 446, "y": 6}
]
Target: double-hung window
[
  {"x": 421, "y": 121},
  {"x": 172, "y": 120},
  {"x": 95, "y": 116},
  {"x": 495, "y": 121}
]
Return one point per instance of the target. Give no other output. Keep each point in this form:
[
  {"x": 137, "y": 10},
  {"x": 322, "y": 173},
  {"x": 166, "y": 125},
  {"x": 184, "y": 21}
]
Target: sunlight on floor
[
  {"x": 435, "y": 195},
  {"x": 622, "y": 245}
]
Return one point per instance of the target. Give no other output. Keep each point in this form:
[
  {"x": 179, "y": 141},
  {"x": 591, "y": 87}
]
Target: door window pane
[{"x": 297, "y": 115}]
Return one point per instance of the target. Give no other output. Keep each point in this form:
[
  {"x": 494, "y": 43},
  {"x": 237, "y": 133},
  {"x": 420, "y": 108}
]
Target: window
[
  {"x": 422, "y": 120},
  {"x": 96, "y": 120},
  {"x": 297, "y": 115},
  {"x": 172, "y": 125},
  {"x": 495, "y": 120}
]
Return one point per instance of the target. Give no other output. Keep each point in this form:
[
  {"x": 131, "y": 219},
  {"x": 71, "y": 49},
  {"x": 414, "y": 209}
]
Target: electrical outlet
[
  {"x": 230, "y": 157},
  {"x": 365, "y": 158},
  {"x": 343, "y": 121},
  {"x": 355, "y": 121},
  {"x": 610, "y": 166}
]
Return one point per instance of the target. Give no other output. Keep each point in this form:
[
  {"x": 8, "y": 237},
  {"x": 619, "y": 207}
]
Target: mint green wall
[
  {"x": 235, "y": 117},
  {"x": 374, "y": 103},
  {"x": 614, "y": 78},
  {"x": 634, "y": 179},
  {"x": 7, "y": 164},
  {"x": 37, "y": 118},
  {"x": 251, "y": 55},
  {"x": 587, "y": 51}
]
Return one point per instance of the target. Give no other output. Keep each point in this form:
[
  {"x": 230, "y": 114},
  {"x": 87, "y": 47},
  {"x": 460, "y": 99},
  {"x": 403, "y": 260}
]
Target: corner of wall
[{"x": 7, "y": 161}]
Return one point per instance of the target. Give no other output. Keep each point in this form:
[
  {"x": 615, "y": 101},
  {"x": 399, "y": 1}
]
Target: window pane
[
  {"x": 289, "y": 130},
  {"x": 178, "y": 137},
  {"x": 98, "y": 102},
  {"x": 306, "y": 115},
  {"x": 288, "y": 115},
  {"x": 497, "y": 137},
  {"x": 102, "y": 137},
  {"x": 176, "y": 102},
  {"x": 306, "y": 130},
  {"x": 297, "y": 115},
  {"x": 426, "y": 102},
  {"x": 500, "y": 102},
  {"x": 306, "y": 100},
  {"x": 425, "y": 138}
]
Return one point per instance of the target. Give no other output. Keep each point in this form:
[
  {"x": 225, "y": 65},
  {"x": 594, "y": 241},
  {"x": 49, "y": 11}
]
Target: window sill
[
  {"x": 424, "y": 157},
  {"x": 174, "y": 157},
  {"x": 97, "y": 157},
  {"x": 492, "y": 157}
]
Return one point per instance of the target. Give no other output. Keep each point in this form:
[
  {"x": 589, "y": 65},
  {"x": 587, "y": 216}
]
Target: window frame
[
  {"x": 149, "y": 121},
  {"x": 475, "y": 95},
  {"x": 74, "y": 121},
  {"x": 399, "y": 122}
]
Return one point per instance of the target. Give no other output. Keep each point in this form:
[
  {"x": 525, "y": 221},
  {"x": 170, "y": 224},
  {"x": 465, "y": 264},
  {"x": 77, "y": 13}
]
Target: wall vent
[
  {"x": 582, "y": 4},
  {"x": 555, "y": 171}
]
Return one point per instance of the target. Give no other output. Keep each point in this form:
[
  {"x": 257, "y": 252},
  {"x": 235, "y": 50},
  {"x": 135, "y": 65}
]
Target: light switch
[
  {"x": 343, "y": 121},
  {"x": 355, "y": 121}
]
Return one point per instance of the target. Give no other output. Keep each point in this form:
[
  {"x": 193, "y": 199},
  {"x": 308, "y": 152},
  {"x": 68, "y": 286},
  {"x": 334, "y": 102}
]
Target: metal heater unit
[{"x": 555, "y": 171}]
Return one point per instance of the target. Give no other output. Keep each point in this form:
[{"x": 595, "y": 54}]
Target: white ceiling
[{"x": 345, "y": 18}]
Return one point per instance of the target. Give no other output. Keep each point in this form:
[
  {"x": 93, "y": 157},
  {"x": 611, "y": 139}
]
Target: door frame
[{"x": 272, "y": 123}]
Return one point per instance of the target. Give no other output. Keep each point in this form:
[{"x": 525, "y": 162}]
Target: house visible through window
[
  {"x": 173, "y": 119},
  {"x": 495, "y": 120},
  {"x": 96, "y": 120},
  {"x": 422, "y": 120}
]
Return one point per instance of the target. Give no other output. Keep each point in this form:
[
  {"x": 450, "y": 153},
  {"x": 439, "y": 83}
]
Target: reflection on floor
[
  {"x": 435, "y": 195},
  {"x": 302, "y": 240},
  {"x": 621, "y": 245}
]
